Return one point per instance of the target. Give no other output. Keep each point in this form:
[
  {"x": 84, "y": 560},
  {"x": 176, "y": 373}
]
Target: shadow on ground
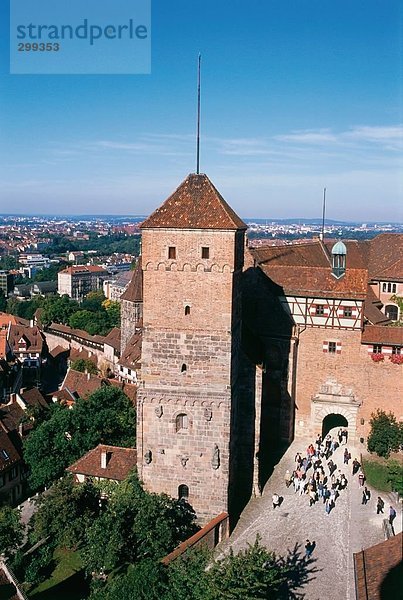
[
  {"x": 300, "y": 571},
  {"x": 74, "y": 587}
]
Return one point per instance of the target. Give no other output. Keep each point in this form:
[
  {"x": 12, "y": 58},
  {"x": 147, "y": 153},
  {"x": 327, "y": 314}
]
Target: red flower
[
  {"x": 377, "y": 356},
  {"x": 396, "y": 359}
]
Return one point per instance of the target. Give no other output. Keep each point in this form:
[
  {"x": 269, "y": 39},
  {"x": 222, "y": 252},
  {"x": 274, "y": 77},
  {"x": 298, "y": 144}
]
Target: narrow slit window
[
  {"x": 187, "y": 310},
  {"x": 184, "y": 368},
  {"x": 171, "y": 252},
  {"x": 205, "y": 252},
  {"x": 183, "y": 492}
]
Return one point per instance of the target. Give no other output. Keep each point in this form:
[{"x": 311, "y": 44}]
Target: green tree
[
  {"x": 49, "y": 448},
  {"x": 135, "y": 525},
  {"x": 58, "y": 309},
  {"x": 252, "y": 573},
  {"x": 113, "y": 311},
  {"x": 144, "y": 580},
  {"x": 84, "y": 365},
  {"x": 93, "y": 301},
  {"x": 395, "y": 476},
  {"x": 386, "y": 434},
  {"x": 188, "y": 577},
  {"x": 65, "y": 512},
  {"x": 107, "y": 416},
  {"x": 11, "y": 530},
  {"x": 3, "y": 302}
]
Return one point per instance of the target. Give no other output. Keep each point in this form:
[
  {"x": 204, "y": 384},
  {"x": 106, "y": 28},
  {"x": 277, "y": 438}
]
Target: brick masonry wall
[
  {"x": 206, "y": 340},
  {"x": 131, "y": 313},
  {"x": 374, "y": 385}
]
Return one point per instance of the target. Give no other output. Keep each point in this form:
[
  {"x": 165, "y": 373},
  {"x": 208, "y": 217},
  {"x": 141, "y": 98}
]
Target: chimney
[
  {"x": 21, "y": 430},
  {"x": 105, "y": 458},
  {"x": 88, "y": 376}
]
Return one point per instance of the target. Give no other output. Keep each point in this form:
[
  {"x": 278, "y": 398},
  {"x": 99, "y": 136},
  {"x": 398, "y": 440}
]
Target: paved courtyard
[{"x": 349, "y": 527}]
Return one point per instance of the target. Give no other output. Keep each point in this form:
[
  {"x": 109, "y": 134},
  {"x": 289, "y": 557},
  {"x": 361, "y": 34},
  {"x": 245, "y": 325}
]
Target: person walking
[
  {"x": 287, "y": 478},
  {"x": 356, "y": 466},
  {"x": 276, "y": 500},
  {"x": 392, "y": 515},
  {"x": 379, "y": 505},
  {"x": 346, "y": 456},
  {"x": 309, "y": 546},
  {"x": 361, "y": 478},
  {"x": 365, "y": 496}
]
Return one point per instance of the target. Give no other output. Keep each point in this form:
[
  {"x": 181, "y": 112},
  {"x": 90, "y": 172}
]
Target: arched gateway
[{"x": 331, "y": 421}]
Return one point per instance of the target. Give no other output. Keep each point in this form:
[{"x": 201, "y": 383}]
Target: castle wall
[{"x": 373, "y": 385}]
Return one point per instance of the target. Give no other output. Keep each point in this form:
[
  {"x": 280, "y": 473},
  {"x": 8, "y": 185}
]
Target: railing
[
  {"x": 13, "y": 579},
  {"x": 210, "y": 535}
]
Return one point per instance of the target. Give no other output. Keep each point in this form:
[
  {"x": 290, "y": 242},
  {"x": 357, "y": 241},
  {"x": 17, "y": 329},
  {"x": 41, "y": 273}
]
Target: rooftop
[
  {"x": 119, "y": 462},
  {"x": 195, "y": 204}
]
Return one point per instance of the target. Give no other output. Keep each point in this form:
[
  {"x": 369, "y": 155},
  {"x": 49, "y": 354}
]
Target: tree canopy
[
  {"x": 386, "y": 434},
  {"x": 106, "y": 416},
  {"x": 11, "y": 530}
]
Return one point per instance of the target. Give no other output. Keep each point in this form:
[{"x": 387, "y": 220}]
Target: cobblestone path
[{"x": 349, "y": 527}]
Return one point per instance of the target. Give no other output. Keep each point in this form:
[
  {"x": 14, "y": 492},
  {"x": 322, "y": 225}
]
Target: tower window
[
  {"x": 183, "y": 492},
  {"x": 319, "y": 309},
  {"x": 184, "y": 368},
  {"x": 187, "y": 310},
  {"x": 205, "y": 252},
  {"x": 171, "y": 252},
  {"x": 181, "y": 422}
]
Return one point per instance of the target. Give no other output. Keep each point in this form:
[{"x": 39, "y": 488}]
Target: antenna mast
[
  {"x": 323, "y": 214},
  {"x": 198, "y": 118}
]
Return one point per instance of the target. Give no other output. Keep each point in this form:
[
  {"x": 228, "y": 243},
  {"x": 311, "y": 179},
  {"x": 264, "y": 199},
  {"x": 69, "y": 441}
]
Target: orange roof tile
[
  {"x": 195, "y": 204},
  {"x": 134, "y": 292},
  {"x": 378, "y": 334},
  {"x": 121, "y": 462}
]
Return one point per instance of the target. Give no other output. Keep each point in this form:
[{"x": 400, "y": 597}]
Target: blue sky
[{"x": 297, "y": 95}]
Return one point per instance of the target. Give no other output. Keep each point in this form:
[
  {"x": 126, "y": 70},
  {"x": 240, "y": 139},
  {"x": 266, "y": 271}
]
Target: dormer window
[
  {"x": 339, "y": 252},
  {"x": 172, "y": 252}
]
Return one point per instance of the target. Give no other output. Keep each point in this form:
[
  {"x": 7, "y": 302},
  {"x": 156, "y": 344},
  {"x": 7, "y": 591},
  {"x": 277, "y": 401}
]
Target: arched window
[
  {"x": 187, "y": 310},
  {"x": 183, "y": 492},
  {"x": 181, "y": 422},
  {"x": 392, "y": 312},
  {"x": 184, "y": 368},
  {"x": 384, "y": 287}
]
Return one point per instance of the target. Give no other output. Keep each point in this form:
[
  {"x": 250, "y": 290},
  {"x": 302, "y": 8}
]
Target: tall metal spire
[{"x": 198, "y": 117}]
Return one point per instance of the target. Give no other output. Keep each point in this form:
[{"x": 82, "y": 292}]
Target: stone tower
[{"x": 192, "y": 260}]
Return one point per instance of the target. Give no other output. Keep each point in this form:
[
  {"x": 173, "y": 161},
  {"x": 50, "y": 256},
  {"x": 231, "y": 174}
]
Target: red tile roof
[
  {"x": 11, "y": 415},
  {"x": 372, "y": 566},
  {"x": 84, "y": 269},
  {"x": 113, "y": 338},
  {"x": 121, "y": 462},
  {"x": 386, "y": 257},
  {"x": 318, "y": 281},
  {"x": 131, "y": 356},
  {"x": 32, "y": 335},
  {"x": 33, "y": 397},
  {"x": 134, "y": 292},
  {"x": 195, "y": 204},
  {"x": 372, "y": 306},
  {"x": 9, "y": 454},
  {"x": 388, "y": 336},
  {"x": 82, "y": 384}
]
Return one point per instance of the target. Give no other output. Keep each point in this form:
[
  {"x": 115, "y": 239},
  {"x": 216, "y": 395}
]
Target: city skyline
[{"x": 294, "y": 99}]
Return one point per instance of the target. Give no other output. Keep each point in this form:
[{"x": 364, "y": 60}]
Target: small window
[
  {"x": 377, "y": 349},
  {"x": 5, "y": 454},
  {"x": 181, "y": 422},
  {"x": 184, "y": 368},
  {"x": 187, "y": 310},
  {"x": 129, "y": 371},
  {"x": 384, "y": 287},
  {"x": 172, "y": 252},
  {"x": 397, "y": 350},
  {"x": 332, "y": 347},
  {"x": 392, "y": 312},
  {"x": 347, "y": 312},
  {"x": 320, "y": 309},
  {"x": 389, "y": 287},
  {"x": 393, "y": 288},
  {"x": 183, "y": 492},
  {"x": 205, "y": 251}
]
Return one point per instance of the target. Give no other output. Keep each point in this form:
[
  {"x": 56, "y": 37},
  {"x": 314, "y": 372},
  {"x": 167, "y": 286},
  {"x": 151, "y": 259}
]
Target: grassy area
[
  {"x": 66, "y": 581},
  {"x": 376, "y": 473}
]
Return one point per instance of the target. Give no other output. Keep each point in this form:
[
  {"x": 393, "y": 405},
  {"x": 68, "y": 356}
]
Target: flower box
[{"x": 377, "y": 357}]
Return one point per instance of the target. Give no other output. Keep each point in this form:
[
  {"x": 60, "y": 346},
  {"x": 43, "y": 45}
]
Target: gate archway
[{"x": 331, "y": 421}]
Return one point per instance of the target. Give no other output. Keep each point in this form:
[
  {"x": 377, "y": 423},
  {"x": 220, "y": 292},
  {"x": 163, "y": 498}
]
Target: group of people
[{"x": 325, "y": 481}]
